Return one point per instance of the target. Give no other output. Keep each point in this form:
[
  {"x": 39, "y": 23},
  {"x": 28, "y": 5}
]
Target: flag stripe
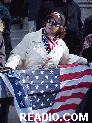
[
  {"x": 72, "y": 69},
  {"x": 69, "y": 65},
  {"x": 64, "y": 107},
  {"x": 75, "y": 75},
  {"x": 66, "y": 91},
  {"x": 74, "y": 95},
  {"x": 80, "y": 85},
  {"x": 68, "y": 101}
]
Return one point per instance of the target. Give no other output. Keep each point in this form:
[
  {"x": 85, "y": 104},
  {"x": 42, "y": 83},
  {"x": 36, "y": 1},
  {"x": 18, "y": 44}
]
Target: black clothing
[
  {"x": 73, "y": 24},
  {"x": 17, "y": 12},
  {"x": 4, "y": 110},
  {"x": 87, "y": 53},
  {"x": 32, "y": 7},
  {"x": 87, "y": 26},
  {"x": 8, "y": 47},
  {"x": 16, "y": 8}
]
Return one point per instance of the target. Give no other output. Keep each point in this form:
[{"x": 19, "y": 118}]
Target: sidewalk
[{"x": 13, "y": 116}]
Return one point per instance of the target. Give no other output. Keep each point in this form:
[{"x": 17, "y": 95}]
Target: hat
[{"x": 59, "y": 18}]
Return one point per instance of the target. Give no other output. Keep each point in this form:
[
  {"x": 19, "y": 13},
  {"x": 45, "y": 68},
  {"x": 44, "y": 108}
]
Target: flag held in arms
[{"x": 50, "y": 91}]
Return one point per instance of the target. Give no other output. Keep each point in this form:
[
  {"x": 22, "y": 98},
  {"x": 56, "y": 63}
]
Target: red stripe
[
  {"x": 75, "y": 75},
  {"x": 49, "y": 47},
  {"x": 50, "y": 40},
  {"x": 79, "y": 85},
  {"x": 63, "y": 107},
  {"x": 56, "y": 41},
  {"x": 73, "y": 95},
  {"x": 69, "y": 65},
  {"x": 52, "y": 47}
]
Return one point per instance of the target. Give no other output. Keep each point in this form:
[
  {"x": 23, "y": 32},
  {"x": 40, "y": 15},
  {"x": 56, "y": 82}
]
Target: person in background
[
  {"x": 31, "y": 8},
  {"x": 17, "y": 15},
  {"x": 86, "y": 50},
  {"x": 44, "y": 48},
  {"x": 87, "y": 27},
  {"x": 5, "y": 15},
  {"x": 72, "y": 13}
]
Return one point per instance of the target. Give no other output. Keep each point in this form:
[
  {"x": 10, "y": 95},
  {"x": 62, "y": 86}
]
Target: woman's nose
[{"x": 50, "y": 23}]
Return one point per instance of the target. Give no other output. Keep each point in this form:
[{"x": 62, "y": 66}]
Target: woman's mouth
[{"x": 49, "y": 27}]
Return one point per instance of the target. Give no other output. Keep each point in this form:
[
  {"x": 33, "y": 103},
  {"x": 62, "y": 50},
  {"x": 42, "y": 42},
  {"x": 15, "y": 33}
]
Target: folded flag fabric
[{"x": 48, "y": 95}]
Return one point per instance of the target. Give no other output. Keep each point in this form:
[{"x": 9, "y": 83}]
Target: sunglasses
[{"x": 54, "y": 23}]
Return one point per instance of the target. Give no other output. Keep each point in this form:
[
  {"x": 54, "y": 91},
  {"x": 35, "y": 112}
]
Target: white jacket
[{"x": 31, "y": 51}]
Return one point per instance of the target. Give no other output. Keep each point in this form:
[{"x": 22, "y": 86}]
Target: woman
[{"x": 44, "y": 48}]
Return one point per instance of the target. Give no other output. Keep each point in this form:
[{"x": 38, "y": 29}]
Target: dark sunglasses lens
[
  {"x": 54, "y": 23},
  {"x": 48, "y": 21}
]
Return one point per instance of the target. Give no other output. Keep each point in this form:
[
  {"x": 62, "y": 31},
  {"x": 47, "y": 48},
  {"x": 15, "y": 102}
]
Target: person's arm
[
  {"x": 78, "y": 10},
  {"x": 18, "y": 53},
  {"x": 71, "y": 58},
  {"x": 60, "y": 55},
  {"x": 80, "y": 24},
  {"x": 87, "y": 26}
]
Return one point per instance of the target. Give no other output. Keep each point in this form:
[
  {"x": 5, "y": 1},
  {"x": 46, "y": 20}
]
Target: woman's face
[{"x": 51, "y": 27}]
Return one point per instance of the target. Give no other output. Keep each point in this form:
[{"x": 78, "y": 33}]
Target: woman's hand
[{"x": 7, "y": 70}]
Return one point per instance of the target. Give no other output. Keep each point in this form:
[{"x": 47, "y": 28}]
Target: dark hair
[
  {"x": 61, "y": 32},
  {"x": 1, "y": 0}
]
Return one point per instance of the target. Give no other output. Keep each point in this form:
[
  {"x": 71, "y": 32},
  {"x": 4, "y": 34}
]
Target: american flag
[{"x": 52, "y": 91}]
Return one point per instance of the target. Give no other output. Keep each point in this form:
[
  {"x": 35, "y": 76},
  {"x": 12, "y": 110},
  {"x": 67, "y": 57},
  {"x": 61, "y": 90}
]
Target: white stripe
[
  {"x": 70, "y": 92},
  {"x": 85, "y": 78},
  {"x": 74, "y": 69},
  {"x": 56, "y": 105}
]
